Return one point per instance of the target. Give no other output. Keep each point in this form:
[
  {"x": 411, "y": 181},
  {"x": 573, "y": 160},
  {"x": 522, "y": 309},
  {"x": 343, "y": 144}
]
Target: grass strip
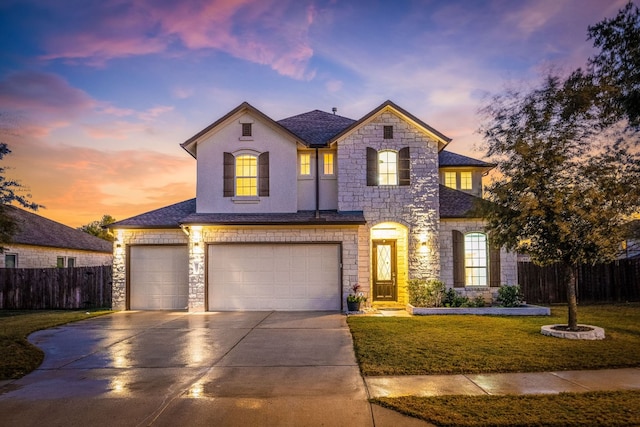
[
  {"x": 18, "y": 356},
  {"x": 453, "y": 344},
  {"x": 615, "y": 408}
]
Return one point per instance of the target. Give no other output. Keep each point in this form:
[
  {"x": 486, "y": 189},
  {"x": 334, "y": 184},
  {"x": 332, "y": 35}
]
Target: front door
[{"x": 384, "y": 270}]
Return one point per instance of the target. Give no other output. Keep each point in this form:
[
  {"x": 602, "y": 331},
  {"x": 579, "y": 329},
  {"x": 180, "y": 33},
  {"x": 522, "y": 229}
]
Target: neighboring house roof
[
  {"x": 456, "y": 204},
  {"x": 447, "y": 158},
  {"x": 442, "y": 139},
  {"x": 36, "y": 230},
  {"x": 316, "y": 127},
  {"x": 166, "y": 217}
]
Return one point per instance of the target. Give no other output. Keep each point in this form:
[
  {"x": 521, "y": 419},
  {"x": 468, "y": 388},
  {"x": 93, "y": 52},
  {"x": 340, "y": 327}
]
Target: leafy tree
[
  {"x": 616, "y": 67},
  {"x": 8, "y": 194},
  {"x": 97, "y": 228}
]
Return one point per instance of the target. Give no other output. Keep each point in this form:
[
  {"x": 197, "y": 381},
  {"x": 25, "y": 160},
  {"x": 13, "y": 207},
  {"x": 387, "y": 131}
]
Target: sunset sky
[{"x": 97, "y": 95}]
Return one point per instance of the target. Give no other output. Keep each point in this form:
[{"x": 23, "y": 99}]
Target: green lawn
[
  {"x": 615, "y": 408},
  {"x": 482, "y": 344},
  {"x": 423, "y": 345},
  {"x": 17, "y": 356}
]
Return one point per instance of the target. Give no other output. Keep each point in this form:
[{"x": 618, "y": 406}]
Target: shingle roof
[
  {"x": 456, "y": 204},
  {"x": 447, "y": 158},
  {"x": 316, "y": 127},
  {"x": 166, "y": 217},
  {"x": 36, "y": 230},
  {"x": 300, "y": 217}
]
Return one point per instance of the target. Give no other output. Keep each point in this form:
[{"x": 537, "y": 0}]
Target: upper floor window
[
  {"x": 466, "y": 182},
  {"x": 246, "y": 129},
  {"x": 388, "y": 132},
  {"x": 328, "y": 168},
  {"x": 10, "y": 260},
  {"x": 60, "y": 262},
  {"x": 246, "y": 175},
  {"x": 388, "y": 167},
  {"x": 71, "y": 262},
  {"x": 450, "y": 179},
  {"x": 305, "y": 164}
]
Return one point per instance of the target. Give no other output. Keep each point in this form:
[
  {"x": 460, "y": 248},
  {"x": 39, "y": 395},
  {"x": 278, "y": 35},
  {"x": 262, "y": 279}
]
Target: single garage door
[
  {"x": 274, "y": 277},
  {"x": 159, "y": 277}
]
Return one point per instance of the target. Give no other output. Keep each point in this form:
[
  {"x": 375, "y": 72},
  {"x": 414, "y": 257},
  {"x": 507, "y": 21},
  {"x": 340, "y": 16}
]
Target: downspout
[{"x": 317, "y": 185}]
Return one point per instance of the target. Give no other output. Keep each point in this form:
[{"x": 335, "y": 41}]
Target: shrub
[
  {"x": 423, "y": 293},
  {"x": 509, "y": 296},
  {"x": 453, "y": 299}
]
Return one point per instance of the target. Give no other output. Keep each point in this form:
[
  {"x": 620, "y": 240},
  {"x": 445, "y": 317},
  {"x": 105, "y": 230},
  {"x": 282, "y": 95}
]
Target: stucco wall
[
  {"x": 227, "y": 138},
  {"x": 416, "y": 206},
  {"x": 43, "y": 257},
  {"x": 328, "y": 183}
]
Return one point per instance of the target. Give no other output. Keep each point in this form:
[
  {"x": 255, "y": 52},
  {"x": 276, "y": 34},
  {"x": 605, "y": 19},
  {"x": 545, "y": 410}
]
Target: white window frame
[
  {"x": 328, "y": 164},
  {"x": 466, "y": 180},
  {"x": 390, "y": 174},
  {"x": 243, "y": 176},
  {"x": 448, "y": 175},
  {"x": 15, "y": 259},
  {"x": 305, "y": 167}
]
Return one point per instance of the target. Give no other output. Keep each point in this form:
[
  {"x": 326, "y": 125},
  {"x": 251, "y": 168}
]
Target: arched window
[
  {"x": 475, "y": 259},
  {"x": 387, "y": 167}
]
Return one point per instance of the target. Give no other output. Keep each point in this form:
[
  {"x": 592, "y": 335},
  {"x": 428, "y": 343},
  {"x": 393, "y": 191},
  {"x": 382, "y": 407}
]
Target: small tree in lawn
[
  {"x": 9, "y": 193},
  {"x": 568, "y": 184}
]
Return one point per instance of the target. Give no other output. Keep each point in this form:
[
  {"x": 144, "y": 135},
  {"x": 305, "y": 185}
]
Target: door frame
[{"x": 394, "y": 269}]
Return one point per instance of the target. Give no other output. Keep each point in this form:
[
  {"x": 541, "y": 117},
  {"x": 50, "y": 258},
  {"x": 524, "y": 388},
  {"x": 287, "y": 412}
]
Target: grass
[
  {"x": 423, "y": 345},
  {"x": 617, "y": 408},
  {"x": 18, "y": 357}
]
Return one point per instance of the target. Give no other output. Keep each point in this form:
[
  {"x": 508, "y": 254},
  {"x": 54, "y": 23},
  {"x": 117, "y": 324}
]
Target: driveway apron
[{"x": 177, "y": 368}]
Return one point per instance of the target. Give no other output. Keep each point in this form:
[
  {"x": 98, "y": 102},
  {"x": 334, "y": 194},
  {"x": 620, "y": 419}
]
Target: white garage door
[
  {"x": 274, "y": 277},
  {"x": 159, "y": 277}
]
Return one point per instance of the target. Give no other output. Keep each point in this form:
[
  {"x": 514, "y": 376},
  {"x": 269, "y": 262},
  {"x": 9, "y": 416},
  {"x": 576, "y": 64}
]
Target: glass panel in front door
[{"x": 384, "y": 270}]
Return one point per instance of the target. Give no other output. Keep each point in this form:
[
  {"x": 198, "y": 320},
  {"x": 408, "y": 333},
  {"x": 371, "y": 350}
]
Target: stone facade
[
  {"x": 415, "y": 206},
  {"x": 45, "y": 257}
]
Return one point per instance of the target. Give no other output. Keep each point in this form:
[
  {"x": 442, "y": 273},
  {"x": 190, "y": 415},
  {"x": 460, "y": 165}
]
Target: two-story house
[{"x": 290, "y": 214}]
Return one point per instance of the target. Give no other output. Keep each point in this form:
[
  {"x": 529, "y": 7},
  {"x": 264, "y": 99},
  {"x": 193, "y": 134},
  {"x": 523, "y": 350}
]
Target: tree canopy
[
  {"x": 569, "y": 157},
  {"x": 97, "y": 228},
  {"x": 9, "y": 193}
]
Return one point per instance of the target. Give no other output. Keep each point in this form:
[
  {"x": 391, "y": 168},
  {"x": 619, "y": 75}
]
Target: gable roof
[
  {"x": 456, "y": 204},
  {"x": 166, "y": 217},
  {"x": 190, "y": 144},
  {"x": 388, "y": 105},
  {"x": 316, "y": 127},
  {"x": 447, "y": 158},
  {"x": 35, "y": 230}
]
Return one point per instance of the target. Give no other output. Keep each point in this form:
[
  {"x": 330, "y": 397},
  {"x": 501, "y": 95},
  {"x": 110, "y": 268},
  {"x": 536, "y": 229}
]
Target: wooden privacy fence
[
  {"x": 55, "y": 288},
  {"x": 618, "y": 281}
]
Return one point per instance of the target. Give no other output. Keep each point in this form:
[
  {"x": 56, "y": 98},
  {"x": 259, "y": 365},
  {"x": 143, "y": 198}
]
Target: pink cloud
[{"x": 267, "y": 32}]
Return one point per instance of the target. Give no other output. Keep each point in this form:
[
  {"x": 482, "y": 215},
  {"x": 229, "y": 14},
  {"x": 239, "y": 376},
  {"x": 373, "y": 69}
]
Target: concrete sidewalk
[{"x": 500, "y": 384}]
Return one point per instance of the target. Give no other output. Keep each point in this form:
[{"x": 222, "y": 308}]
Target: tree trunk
[{"x": 571, "y": 279}]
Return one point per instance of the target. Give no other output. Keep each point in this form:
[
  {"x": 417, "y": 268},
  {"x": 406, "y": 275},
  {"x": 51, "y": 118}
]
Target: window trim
[
  {"x": 479, "y": 263},
  {"x": 60, "y": 264},
  {"x": 300, "y": 165},
  {"x": 395, "y": 164},
  {"x": 246, "y": 174},
  {"x": 448, "y": 174},
  {"x": 331, "y": 164},
  {"x": 15, "y": 259},
  {"x": 464, "y": 181}
]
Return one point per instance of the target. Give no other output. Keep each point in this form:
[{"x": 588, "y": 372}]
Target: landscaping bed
[{"x": 523, "y": 310}]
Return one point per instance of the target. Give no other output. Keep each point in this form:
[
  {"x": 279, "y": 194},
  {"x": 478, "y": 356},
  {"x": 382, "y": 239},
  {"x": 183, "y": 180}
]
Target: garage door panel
[
  {"x": 159, "y": 277},
  {"x": 274, "y": 277}
]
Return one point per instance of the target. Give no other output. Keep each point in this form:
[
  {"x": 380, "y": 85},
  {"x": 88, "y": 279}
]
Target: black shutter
[
  {"x": 229, "y": 174},
  {"x": 263, "y": 175},
  {"x": 458, "y": 259},
  {"x": 404, "y": 166},
  {"x": 494, "y": 266},
  {"x": 372, "y": 167}
]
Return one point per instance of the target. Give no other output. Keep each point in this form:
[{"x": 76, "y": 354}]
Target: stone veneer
[
  {"x": 415, "y": 206},
  {"x": 44, "y": 257},
  {"x": 508, "y": 260}
]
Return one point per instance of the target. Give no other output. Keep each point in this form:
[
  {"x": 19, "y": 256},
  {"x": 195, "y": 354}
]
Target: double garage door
[{"x": 240, "y": 277}]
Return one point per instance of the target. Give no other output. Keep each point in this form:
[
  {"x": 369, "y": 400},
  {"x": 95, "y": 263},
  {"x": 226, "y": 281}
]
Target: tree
[
  {"x": 8, "y": 195},
  {"x": 97, "y": 228},
  {"x": 616, "y": 67}
]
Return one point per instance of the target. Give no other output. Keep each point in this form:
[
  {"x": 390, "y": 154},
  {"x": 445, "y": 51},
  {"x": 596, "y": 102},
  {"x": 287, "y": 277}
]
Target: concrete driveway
[{"x": 213, "y": 369}]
